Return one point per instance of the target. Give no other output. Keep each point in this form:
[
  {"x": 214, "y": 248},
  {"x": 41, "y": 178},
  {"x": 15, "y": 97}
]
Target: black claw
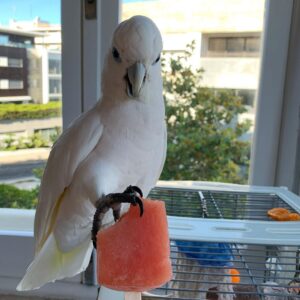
[
  {"x": 132, "y": 189},
  {"x": 113, "y": 201},
  {"x": 116, "y": 214},
  {"x": 140, "y": 203}
]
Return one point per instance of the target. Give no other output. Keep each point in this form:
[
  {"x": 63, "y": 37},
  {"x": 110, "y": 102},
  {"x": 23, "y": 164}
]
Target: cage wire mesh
[
  {"x": 225, "y": 271},
  {"x": 218, "y": 204}
]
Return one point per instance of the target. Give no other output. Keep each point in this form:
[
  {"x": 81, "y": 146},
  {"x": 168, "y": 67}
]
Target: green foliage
[
  {"x": 10, "y": 111},
  {"x": 204, "y": 135},
  {"x": 12, "y": 197},
  {"x": 55, "y": 135},
  {"x": 36, "y": 140},
  {"x": 38, "y": 172}
]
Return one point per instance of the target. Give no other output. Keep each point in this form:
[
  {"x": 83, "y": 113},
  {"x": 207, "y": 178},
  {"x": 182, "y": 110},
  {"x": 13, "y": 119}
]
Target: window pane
[
  {"x": 4, "y": 84},
  {"x": 3, "y": 61},
  {"x": 252, "y": 44},
  {"x": 15, "y": 84},
  {"x": 55, "y": 66},
  {"x": 217, "y": 44},
  {"x": 235, "y": 44},
  {"x": 30, "y": 101},
  {"x": 15, "y": 62},
  {"x": 210, "y": 93},
  {"x": 3, "y": 39},
  {"x": 55, "y": 86}
]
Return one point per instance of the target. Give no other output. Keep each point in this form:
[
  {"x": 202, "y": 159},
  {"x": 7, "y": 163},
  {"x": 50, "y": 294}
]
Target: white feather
[
  {"x": 119, "y": 142},
  {"x": 62, "y": 265},
  {"x": 74, "y": 145}
]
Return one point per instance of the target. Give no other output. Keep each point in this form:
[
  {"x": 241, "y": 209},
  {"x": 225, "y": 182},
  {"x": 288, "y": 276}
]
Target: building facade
[
  {"x": 227, "y": 36},
  {"x": 28, "y": 71}
]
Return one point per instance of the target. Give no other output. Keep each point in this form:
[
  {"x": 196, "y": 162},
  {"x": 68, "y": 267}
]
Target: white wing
[{"x": 69, "y": 151}]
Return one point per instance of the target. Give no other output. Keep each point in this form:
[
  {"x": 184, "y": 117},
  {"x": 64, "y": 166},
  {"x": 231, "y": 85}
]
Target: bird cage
[{"x": 224, "y": 246}]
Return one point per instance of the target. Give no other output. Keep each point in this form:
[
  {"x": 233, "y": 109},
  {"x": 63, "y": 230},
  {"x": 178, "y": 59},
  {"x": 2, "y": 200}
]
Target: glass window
[
  {"x": 3, "y": 61},
  {"x": 217, "y": 44},
  {"x": 235, "y": 44},
  {"x": 54, "y": 86},
  {"x": 252, "y": 44},
  {"x": 4, "y": 84},
  {"x": 210, "y": 71},
  {"x": 15, "y": 84},
  {"x": 3, "y": 39},
  {"x": 15, "y": 62},
  {"x": 247, "y": 96},
  {"x": 29, "y": 119},
  {"x": 54, "y": 66},
  {"x": 231, "y": 45}
]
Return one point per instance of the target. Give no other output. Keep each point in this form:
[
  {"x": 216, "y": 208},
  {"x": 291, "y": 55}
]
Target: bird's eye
[
  {"x": 116, "y": 55},
  {"x": 157, "y": 59}
]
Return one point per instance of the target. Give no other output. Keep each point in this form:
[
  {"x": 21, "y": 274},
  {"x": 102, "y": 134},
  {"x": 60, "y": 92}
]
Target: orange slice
[
  {"x": 279, "y": 214},
  {"x": 294, "y": 217}
]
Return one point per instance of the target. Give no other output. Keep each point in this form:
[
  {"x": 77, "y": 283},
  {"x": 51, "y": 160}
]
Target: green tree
[{"x": 204, "y": 135}]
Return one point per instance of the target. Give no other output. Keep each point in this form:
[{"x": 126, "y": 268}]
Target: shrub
[
  {"x": 10, "y": 111},
  {"x": 12, "y": 142},
  {"x": 12, "y": 197},
  {"x": 36, "y": 140},
  {"x": 204, "y": 135}
]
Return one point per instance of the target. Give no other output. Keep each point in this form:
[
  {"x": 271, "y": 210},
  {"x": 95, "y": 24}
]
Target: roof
[{"x": 8, "y": 30}]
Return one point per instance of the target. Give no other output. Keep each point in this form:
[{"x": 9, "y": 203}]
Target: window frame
[
  {"x": 78, "y": 56},
  {"x": 274, "y": 148},
  {"x": 85, "y": 44},
  {"x": 82, "y": 77}
]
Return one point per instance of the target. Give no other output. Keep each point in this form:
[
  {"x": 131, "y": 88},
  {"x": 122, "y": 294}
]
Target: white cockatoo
[{"x": 120, "y": 142}]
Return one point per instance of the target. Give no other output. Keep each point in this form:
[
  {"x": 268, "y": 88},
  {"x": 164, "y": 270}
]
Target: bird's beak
[{"x": 136, "y": 76}]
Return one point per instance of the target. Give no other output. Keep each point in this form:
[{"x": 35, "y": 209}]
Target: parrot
[{"x": 118, "y": 145}]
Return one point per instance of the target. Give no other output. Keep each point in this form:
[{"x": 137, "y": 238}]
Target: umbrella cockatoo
[{"x": 120, "y": 142}]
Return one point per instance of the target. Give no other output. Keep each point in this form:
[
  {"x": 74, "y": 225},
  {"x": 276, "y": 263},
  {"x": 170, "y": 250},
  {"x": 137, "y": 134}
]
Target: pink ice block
[{"x": 134, "y": 253}]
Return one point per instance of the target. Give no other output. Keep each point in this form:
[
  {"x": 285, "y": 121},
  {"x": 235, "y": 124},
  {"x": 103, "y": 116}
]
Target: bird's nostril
[{"x": 144, "y": 79}]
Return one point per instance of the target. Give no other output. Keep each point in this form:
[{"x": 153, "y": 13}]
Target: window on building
[
  {"x": 15, "y": 62},
  {"x": 21, "y": 41},
  {"x": 232, "y": 46},
  {"x": 4, "y": 84},
  {"x": 9, "y": 84},
  {"x": 16, "y": 84},
  {"x": 248, "y": 96},
  {"x": 252, "y": 44},
  {"x": 11, "y": 62},
  {"x": 54, "y": 66},
  {"x": 217, "y": 44},
  {"x": 54, "y": 86},
  {"x": 3, "y": 61},
  {"x": 3, "y": 39},
  {"x": 235, "y": 44}
]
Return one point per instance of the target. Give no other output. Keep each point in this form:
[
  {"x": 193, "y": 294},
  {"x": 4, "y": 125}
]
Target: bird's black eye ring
[
  {"x": 157, "y": 59},
  {"x": 116, "y": 55}
]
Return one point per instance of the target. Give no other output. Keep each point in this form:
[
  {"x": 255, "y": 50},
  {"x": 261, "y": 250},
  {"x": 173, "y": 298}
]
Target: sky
[{"x": 23, "y": 10}]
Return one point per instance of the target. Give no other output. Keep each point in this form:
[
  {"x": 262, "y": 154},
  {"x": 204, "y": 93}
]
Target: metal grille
[
  {"x": 218, "y": 204},
  {"x": 202, "y": 271}
]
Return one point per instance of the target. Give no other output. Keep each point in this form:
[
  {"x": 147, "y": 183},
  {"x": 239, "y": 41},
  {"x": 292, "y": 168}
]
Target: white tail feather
[{"x": 50, "y": 264}]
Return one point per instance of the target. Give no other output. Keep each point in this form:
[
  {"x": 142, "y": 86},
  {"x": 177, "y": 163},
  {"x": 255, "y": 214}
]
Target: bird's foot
[{"x": 132, "y": 195}]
